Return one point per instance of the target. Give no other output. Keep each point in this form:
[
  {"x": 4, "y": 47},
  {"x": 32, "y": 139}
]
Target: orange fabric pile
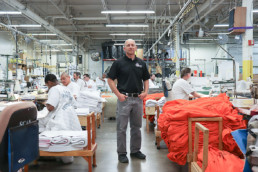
[
  {"x": 155, "y": 96},
  {"x": 221, "y": 161},
  {"x": 173, "y": 123}
]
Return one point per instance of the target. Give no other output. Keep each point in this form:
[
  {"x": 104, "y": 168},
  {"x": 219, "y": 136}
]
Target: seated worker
[
  {"x": 89, "y": 83},
  {"x": 152, "y": 82},
  {"x": 62, "y": 115},
  {"x": 181, "y": 88},
  {"x": 73, "y": 87},
  {"x": 78, "y": 80}
]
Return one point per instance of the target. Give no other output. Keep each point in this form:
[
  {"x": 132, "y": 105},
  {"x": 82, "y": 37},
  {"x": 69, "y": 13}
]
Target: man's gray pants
[{"x": 131, "y": 108}]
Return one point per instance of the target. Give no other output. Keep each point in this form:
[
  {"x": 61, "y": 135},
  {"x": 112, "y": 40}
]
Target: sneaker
[
  {"x": 123, "y": 158},
  {"x": 138, "y": 155}
]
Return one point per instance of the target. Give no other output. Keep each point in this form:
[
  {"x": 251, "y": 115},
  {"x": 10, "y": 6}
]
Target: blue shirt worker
[{"x": 133, "y": 83}]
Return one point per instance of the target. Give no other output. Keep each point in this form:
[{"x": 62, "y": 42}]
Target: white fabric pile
[
  {"x": 91, "y": 100},
  {"x": 161, "y": 101},
  {"x": 61, "y": 141},
  {"x": 151, "y": 103}
]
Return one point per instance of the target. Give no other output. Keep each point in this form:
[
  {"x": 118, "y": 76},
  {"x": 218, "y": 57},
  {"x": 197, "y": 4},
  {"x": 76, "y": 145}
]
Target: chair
[
  {"x": 88, "y": 152},
  {"x": 20, "y": 117},
  {"x": 194, "y": 166},
  {"x": 157, "y": 131},
  {"x": 190, "y": 120}
]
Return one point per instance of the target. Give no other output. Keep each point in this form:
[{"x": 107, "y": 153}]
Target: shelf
[
  {"x": 221, "y": 59},
  {"x": 109, "y": 59}
]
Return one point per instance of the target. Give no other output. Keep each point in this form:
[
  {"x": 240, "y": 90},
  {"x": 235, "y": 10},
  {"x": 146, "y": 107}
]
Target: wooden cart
[
  {"x": 88, "y": 152},
  {"x": 157, "y": 130}
]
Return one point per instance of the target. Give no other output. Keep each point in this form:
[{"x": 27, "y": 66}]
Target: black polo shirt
[{"x": 130, "y": 74}]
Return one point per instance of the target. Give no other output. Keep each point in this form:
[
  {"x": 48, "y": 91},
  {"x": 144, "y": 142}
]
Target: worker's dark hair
[
  {"x": 77, "y": 74},
  {"x": 185, "y": 71},
  {"x": 50, "y": 77},
  {"x": 86, "y": 75}
]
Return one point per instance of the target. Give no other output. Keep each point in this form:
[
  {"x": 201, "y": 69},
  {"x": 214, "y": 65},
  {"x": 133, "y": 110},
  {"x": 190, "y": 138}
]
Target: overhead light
[
  {"x": 128, "y": 12},
  {"x": 125, "y": 40},
  {"x": 127, "y": 34},
  {"x": 43, "y": 34},
  {"x": 9, "y": 12},
  {"x": 67, "y": 49},
  {"x": 127, "y": 25},
  {"x": 124, "y": 44},
  {"x": 202, "y": 39},
  {"x": 26, "y": 25},
  {"x": 221, "y": 25},
  {"x": 61, "y": 44},
  {"x": 255, "y": 10},
  {"x": 48, "y": 50}
]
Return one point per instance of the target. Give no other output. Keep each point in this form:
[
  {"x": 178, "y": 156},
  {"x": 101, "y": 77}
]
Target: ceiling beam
[
  {"x": 202, "y": 16},
  {"x": 27, "y": 12}
]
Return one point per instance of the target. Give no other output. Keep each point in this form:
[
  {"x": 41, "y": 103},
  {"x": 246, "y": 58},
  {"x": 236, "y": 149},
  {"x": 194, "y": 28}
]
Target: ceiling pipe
[
  {"x": 201, "y": 17},
  {"x": 169, "y": 27},
  {"x": 27, "y": 12}
]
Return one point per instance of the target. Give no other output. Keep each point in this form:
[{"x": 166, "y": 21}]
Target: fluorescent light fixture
[
  {"x": 120, "y": 40},
  {"x": 127, "y": 34},
  {"x": 48, "y": 50},
  {"x": 124, "y": 44},
  {"x": 26, "y": 25},
  {"x": 127, "y": 25},
  {"x": 43, "y": 34},
  {"x": 61, "y": 44},
  {"x": 9, "y": 12},
  {"x": 221, "y": 25},
  {"x": 128, "y": 12},
  {"x": 202, "y": 39},
  {"x": 67, "y": 49},
  {"x": 255, "y": 10}
]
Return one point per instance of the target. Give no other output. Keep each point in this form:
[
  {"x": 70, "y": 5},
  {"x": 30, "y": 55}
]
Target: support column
[
  {"x": 177, "y": 50},
  {"x": 247, "y": 55}
]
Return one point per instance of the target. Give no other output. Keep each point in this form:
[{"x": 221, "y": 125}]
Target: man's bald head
[
  {"x": 65, "y": 79},
  {"x": 130, "y": 48},
  {"x": 129, "y": 41}
]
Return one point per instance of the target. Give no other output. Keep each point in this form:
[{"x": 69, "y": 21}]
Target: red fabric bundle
[
  {"x": 173, "y": 123},
  {"x": 155, "y": 96},
  {"x": 221, "y": 161}
]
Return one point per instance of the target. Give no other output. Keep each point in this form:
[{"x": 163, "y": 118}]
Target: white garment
[
  {"x": 181, "y": 90},
  {"x": 74, "y": 89},
  {"x": 99, "y": 82},
  {"x": 63, "y": 117},
  {"x": 80, "y": 83},
  {"x": 90, "y": 83},
  {"x": 152, "y": 85}
]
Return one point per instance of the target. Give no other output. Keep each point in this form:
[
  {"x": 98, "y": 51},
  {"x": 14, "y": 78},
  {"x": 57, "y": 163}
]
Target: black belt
[{"x": 132, "y": 94}]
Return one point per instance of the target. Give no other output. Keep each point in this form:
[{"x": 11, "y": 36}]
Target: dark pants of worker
[{"x": 131, "y": 109}]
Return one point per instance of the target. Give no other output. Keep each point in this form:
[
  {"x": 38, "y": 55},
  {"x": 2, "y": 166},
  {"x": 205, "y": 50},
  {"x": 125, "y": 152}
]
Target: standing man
[
  {"x": 181, "y": 88},
  {"x": 132, "y": 76},
  {"x": 78, "y": 80}
]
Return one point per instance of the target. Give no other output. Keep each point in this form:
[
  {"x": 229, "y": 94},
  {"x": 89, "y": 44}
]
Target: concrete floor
[{"x": 107, "y": 160}]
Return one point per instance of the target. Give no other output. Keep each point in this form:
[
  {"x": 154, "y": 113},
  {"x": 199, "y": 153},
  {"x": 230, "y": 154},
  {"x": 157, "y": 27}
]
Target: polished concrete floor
[{"x": 107, "y": 160}]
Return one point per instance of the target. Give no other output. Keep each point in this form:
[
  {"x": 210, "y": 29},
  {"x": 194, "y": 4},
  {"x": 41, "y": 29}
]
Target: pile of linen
[
  {"x": 154, "y": 96},
  {"x": 91, "y": 100},
  {"x": 61, "y": 141}
]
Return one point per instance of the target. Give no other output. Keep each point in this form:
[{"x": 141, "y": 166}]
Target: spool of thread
[
  {"x": 200, "y": 73},
  {"x": 195, "y": 73}
]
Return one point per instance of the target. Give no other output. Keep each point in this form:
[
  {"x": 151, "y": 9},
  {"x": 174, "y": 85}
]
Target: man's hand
[
  {"x": 143, "y": 95},
  {"x": 122, "y": 97}
]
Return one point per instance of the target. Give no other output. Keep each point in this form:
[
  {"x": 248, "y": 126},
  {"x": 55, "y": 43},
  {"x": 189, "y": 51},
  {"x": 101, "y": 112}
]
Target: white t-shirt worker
[{"x": 181, "y": 88}]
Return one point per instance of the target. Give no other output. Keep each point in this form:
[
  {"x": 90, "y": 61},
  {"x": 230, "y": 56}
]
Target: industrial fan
[
  {"x": 95, "y": 56},
  {"x": 222, "y": 39}
]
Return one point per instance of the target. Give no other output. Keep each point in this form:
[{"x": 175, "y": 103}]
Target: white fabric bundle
[
  {"x": 151, "y": 103},
  {"x": 60, "y": 141},
  {"x": 161, "y": 101}
]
